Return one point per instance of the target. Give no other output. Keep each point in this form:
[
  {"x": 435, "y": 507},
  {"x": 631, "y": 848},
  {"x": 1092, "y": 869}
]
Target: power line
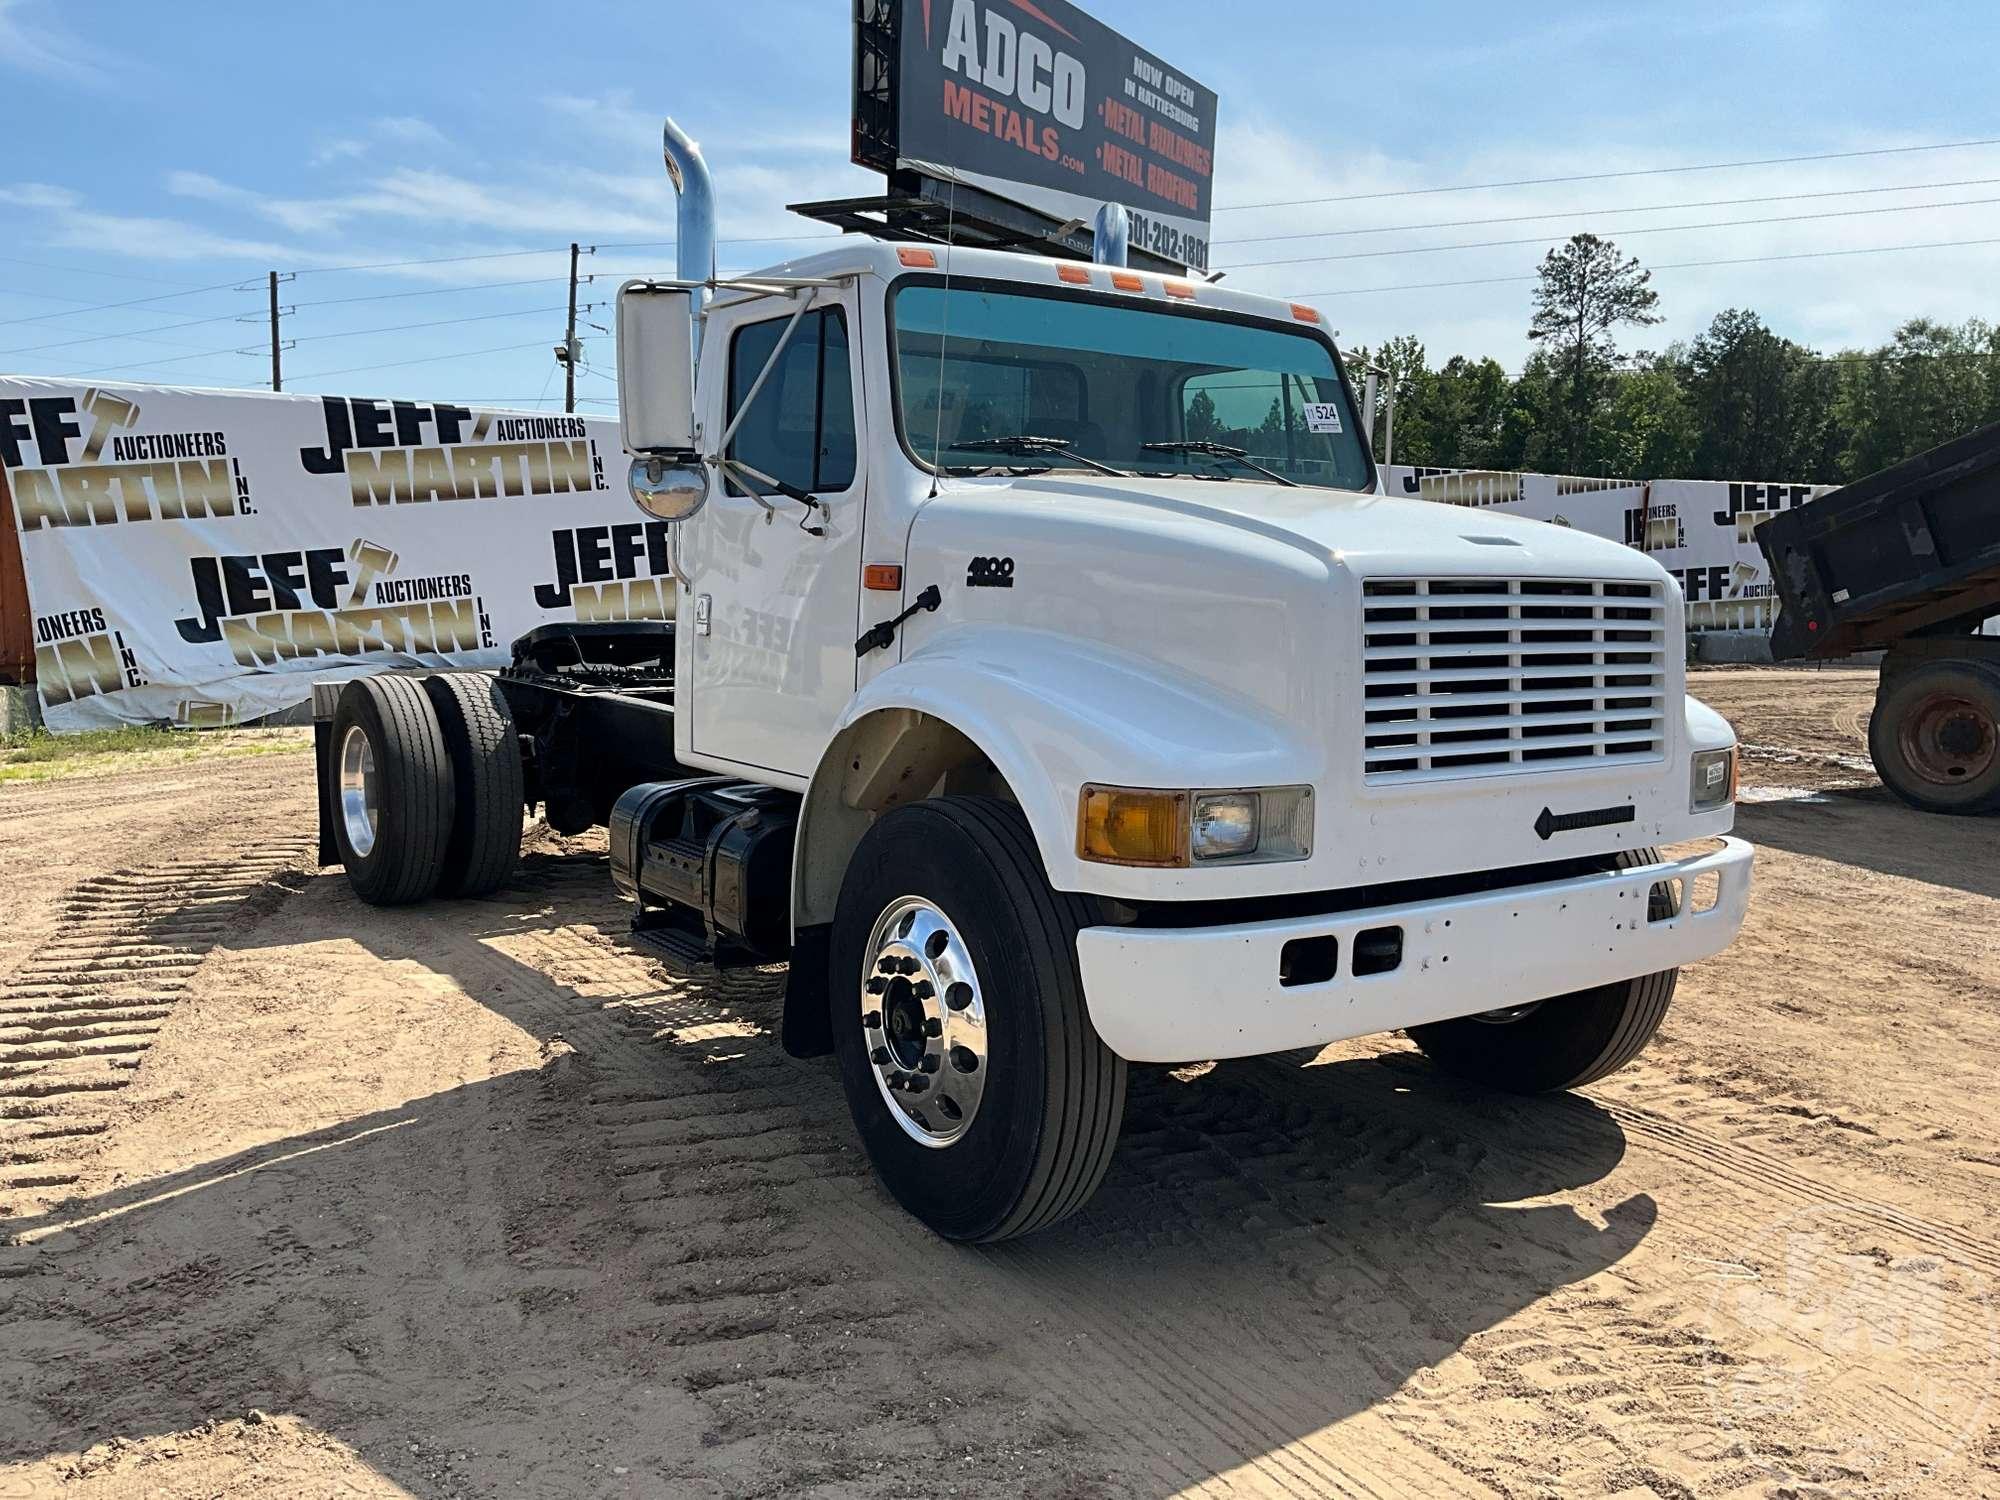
[
  {"x": 1578, "y": 213},
  {"x": 1711, "y": 166},
  {"x": 426, "y": 360},
  {"x": 162, "y": 363},
  {"x": 1843, "y": 213},
  {"x": 434, "y": 260},
  {"x": 435, "y": 291},
  {"x": 44, "y": 265},
  {"x": 1684, "y": 265},
  {"x": 138, "y": 334},
  {"x": 222, "y": 286},
  {"x": 351, "y": 333}
]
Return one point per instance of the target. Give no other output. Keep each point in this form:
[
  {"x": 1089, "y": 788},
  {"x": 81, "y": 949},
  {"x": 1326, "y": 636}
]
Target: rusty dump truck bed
[{"x": 1911, "y": 550}]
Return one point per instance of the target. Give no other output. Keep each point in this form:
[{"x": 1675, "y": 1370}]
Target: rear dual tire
[{"x": 427, "y": 793}]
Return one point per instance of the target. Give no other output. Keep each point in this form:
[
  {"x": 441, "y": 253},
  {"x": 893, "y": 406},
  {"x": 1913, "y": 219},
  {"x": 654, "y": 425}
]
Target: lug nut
[
  {"x": 933, "y": 1026},
  {"x": 910, "y": 966},
  {"x": 923, "y": 989},
  {"x": 877, "y": 985},
  {"x": 916, "y": 1083},
  {"x": 873, "y": 1020},
  {"x": 930, "y": 1062},
  {"x": 879, "y": 1057},
  {"x": 958, "y": 996},
  {"x": 896, "y": 1081}
]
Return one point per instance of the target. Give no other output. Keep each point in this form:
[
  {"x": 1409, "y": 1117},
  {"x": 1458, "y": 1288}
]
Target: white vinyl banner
[
  {"x": 201, "y": 557},
  {"x": 1702, "y": 531}
]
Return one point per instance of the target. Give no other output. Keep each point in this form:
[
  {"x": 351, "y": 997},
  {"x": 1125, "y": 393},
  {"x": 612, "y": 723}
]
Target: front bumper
[{"x": 1188, "y": 994}]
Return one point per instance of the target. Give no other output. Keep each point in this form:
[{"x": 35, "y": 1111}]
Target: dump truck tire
[
  {"x": 983, "y": 1094},
  {"x": 1935, "y": 736},
  {"x": 393, "y": 789},
  {"x": 485, "y": 749}
]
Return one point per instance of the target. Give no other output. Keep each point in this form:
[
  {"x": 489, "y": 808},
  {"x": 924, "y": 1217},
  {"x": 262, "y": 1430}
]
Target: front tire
[
  {"x": 1565, "y": 1042},
  {"x": 981, "y": 1091}
]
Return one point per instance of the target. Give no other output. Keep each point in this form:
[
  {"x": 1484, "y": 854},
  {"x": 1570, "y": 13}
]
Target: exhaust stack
[
  {"x": 694, "y": 222},
  {"x": 1110, "y": 244}
]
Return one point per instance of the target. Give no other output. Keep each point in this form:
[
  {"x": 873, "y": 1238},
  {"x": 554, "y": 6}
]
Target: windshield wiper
[
  {"x": 1030, "y": 446},
  {"x": 1220, "y": 450}
]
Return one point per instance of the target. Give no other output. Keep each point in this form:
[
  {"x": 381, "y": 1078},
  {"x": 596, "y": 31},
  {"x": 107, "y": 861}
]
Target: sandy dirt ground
[{"x": 302, "y": 1199}]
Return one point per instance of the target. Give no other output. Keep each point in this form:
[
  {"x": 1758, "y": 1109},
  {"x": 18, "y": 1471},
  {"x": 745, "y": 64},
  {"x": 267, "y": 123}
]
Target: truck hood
[
  {"x": 1363, "y": 534},
  {"x": 1182, "y": 632}
]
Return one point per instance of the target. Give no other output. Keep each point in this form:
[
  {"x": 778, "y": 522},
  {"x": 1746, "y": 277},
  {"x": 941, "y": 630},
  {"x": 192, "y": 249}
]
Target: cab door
[{"x": 767, "y": 663}]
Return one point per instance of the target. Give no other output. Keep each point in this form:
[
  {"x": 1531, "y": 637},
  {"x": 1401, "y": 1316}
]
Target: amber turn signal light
[
  {"x": 1119, "y": 825},
  {"x": 883, "y": 578}
]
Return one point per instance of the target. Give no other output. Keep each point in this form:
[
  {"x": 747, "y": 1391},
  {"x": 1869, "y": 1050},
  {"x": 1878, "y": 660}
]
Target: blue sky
[{"x": 161, "y": 149}]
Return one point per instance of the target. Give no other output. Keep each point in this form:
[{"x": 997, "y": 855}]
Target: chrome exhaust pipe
[
  {"x": 1110, "y": 244},
  {"x": 694, "y": 220}
]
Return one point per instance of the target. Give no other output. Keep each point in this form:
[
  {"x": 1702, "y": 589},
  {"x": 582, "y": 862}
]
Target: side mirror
[
  {"x": 656, "y": 370},
  {"x": 666, "y": 490}
]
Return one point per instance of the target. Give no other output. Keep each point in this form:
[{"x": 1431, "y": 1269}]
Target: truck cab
[{"x": 1054, "y": 687}]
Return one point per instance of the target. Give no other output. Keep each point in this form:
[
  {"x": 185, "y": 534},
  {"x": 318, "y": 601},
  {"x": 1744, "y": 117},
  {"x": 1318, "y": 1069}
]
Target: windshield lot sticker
[{"x": 1322, "y": 416}]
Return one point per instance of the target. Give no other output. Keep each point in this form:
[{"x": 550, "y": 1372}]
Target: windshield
[{"x": 988, "y": 361}]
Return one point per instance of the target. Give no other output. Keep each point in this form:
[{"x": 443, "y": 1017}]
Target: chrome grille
[{"x": 1479, "y": 676}]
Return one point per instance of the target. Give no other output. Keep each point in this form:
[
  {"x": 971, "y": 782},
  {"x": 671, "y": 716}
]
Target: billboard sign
[{"x": 1041, "y": 104}]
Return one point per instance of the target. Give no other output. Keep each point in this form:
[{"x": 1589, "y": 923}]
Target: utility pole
[
  {"x": 569, "y": 337},
  {"x": 277, "y": 345}
]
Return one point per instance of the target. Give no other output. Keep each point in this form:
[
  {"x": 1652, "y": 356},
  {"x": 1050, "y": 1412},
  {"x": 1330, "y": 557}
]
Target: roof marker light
[
  {"x": 1305, "y": 314},
  {"x": 1178, "y": 289},
  {"x": 911, "y": 256},
  {"x": 1075, "y": 275},
  {"x": 1124, "y": 281}
]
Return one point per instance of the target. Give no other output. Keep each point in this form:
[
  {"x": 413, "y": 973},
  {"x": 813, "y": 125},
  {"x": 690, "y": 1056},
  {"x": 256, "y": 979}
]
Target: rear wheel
[
  {"x": 485, "y": 751},
  {"x": 1935, "y": 736},
  {"x": 1565, "y": 1042},
  {"x": 393, "y": 789},
  {"x": 980, "y": 1089}
]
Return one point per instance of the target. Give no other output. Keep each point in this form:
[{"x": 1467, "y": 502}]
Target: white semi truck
[{"x": 1051, "y": 684}]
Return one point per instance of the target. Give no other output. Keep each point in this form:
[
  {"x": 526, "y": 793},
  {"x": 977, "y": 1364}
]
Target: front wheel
[
  {"x": 1564, "y": 1042},
  {"x": 982, "y": 1093}
]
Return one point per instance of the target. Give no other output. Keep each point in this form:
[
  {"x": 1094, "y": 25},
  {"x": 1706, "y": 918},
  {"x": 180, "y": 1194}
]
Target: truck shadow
[
  {"x": 662, "y": 1255},
  {"x": 1868, "y": 826}
]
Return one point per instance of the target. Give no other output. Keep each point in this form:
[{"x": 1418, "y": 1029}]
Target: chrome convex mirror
[{"x": 667, "y": 490}]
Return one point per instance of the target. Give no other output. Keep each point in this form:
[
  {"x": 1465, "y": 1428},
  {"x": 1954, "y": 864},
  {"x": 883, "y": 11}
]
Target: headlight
[
  {"x": 1144, "y": 826},
  {"x": 1712, "y": 780}
]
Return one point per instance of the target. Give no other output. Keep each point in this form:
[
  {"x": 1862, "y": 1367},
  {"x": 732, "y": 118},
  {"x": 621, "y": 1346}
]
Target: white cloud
[
  {"x": 410, "y": 131},
  {"x": 38, "y": 195},
  {"x": 42, "y": 49}
]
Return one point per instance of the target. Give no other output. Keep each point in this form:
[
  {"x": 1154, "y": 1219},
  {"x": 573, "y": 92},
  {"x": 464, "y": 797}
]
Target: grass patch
[{"x": 41, "y": 756}]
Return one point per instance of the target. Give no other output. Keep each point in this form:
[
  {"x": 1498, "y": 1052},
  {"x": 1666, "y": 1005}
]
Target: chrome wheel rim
[
  {"x": 923, "y": 1022},
  {"x": 360, "y": 798}
]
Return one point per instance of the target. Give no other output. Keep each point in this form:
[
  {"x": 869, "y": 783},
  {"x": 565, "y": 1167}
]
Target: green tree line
[{"x": 1739, "y": 401}]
